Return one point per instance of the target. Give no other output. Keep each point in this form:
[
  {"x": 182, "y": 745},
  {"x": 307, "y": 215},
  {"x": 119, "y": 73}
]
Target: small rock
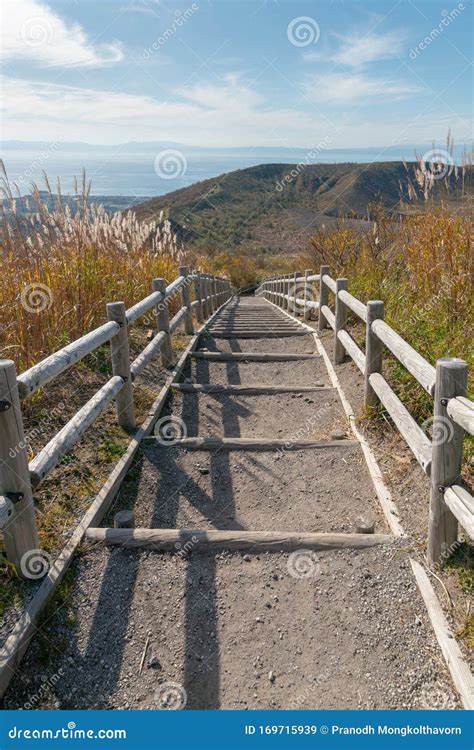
[
  {"x": 203, "y": 470},
  {"x": 338, "y": 435},
  {"x": 418, "y": 621},
  {"x": 247, "y": 558},
  {"x": 271, "y": 676},
  {"x": 154, "y": 663}
]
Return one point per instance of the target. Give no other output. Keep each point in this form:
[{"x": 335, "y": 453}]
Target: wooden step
[
  {"x": 248, "y": 390},
  {"x": 196, "y": 540},
  {"x": 258, "y": 334},
  {"x": 252, "y": 356},
  {"x": 256, "y": 444}
]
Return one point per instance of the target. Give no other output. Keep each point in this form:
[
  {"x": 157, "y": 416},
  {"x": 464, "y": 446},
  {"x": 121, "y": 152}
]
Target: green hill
[{"x": 275, "y": 207}]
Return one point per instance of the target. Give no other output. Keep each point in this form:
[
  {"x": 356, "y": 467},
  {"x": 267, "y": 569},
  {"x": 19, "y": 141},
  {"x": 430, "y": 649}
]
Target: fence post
[
  {"x": 185, "y": 301},
  {"x": 163, "y": 323},
  {"x": 373, "y": 351},
  {"x": 20, "y": 534},
  {"x": 120, "y": 355},
  {"x": 197, "y": 297},
  {"x": 307, "y": 289},
  {"x": 447, "y": 445},
  {"x": 340, "y": 324},
  {"x": 323, "y": 297}
]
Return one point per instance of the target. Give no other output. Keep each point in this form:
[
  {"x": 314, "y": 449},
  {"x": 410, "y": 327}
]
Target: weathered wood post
[
  {"x": 307, "y": 290},
  {"x": 186, "y": 302},
  {"x": 373, "y": 351},
  {"x": 340, "y": 324},
  {"x": 20, "y": 534},
  {"x": 295, "y": 276},
  {"x": 120, "y": 355},
  {"x": 197, "y": 297},
  {"x": 163, "y": 323},
  {"x": 204, "y": 294},
  {"x": 447, "y": 445},
  {"x": 323, "y": 297}
]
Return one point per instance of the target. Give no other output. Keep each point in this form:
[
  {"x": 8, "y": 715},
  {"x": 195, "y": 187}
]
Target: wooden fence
[
  {"x": 18, "y": 477},
  {"x": 453, "y": 414}
]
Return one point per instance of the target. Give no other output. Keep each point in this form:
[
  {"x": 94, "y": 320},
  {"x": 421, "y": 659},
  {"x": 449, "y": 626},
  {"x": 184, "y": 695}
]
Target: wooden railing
[
  {"x": 17, "y": 475},
  {"x": 453, "y": 414}
]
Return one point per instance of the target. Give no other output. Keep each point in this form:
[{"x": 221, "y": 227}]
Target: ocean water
[{"x": 150, "y": 173}]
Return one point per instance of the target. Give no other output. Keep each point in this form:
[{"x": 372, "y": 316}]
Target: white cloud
[
  {"x": 334, "y": 88},
  {"x": 228, "y": 114},
  {"x": 359, "y": 49},
  {"x": 32, "y": 31}
]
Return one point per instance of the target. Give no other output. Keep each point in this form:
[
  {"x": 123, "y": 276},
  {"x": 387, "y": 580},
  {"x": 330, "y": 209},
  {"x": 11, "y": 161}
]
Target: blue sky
[{"x": 228, "y": 73}]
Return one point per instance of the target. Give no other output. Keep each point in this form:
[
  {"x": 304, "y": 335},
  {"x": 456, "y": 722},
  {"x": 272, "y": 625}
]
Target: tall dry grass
[{"x": 61, "y": 267}]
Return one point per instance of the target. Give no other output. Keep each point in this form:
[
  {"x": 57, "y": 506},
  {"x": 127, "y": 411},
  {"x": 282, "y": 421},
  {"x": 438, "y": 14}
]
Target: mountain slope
[{"x": 276, "y": 207}]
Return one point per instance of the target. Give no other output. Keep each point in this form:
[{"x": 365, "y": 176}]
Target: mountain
[
  {"x": 26, "y": 204},
  {"x": 276, "y": 207}
]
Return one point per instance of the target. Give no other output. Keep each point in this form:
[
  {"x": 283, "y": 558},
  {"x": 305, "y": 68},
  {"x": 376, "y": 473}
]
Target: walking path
[{"x": 259, "y": 454}]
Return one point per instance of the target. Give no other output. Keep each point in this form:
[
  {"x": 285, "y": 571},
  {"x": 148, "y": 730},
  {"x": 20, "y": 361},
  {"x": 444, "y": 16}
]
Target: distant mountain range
[{"x": 276, "y": 207}]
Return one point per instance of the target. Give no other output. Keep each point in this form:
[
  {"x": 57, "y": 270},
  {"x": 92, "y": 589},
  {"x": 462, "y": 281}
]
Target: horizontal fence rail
[
  {"x": 17, "y": 476},
  {"x": 441, "y": 456}
]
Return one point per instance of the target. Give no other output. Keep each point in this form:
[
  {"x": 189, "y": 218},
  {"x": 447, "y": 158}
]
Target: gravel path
[{"x": 342, "y": 629}]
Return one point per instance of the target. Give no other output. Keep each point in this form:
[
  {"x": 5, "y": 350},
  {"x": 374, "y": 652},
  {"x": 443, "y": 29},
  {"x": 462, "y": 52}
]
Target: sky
[{"x": 237, "y": 73}]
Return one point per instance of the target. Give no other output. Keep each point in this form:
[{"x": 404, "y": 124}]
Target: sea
[{"x": 146, "y": 173}]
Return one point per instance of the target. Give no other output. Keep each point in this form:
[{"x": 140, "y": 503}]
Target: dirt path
[{"x": 341, "y": 629}]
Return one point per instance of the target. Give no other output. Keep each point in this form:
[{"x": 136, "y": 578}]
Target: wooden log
[
  {"x": 17, "y": 642},
  {"x": 352, "y": 349},
  {"x": 178, "y": 319},
  {"x": 416, "y": 439},
  {"x": 329, "y": 316},
  {"x": 165, "y": 540},
  {"x": 323, "y": 297},
  {"x": 259, "y": 444},
  {"x": 330, "y": 283},
  {"x": 153, "y": 299},
  {"x": 7, "y": 510},
  {"x": 163, "y": 325},
  {"x": 48, "y": 369},
  {"x": 244, "y": 357},
  {"x": 340, "y": 320},
  {"x": 68, "y": 436},
  {"x": 186, "y": 302},
  {"x": 19, "y": 534},
  {"x": 451, "y": 382},
  {"x": 249, "y": 390},
  {"x": 150, "y": 351},
  {"x": 461, "y": 504},
  {"x": 457, "y": 665},
  {"x": 373, "y": 351},
  {"x": 354, "y": 304},
  {"x": 120, "y": 354},
  {"x": 414, "y": 362},
  {"x": 461, "y": 411}
]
